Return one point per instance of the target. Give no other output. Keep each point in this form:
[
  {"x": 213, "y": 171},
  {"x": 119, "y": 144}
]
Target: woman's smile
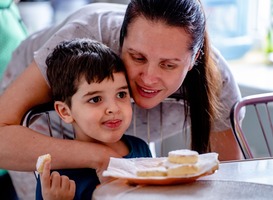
[{"x": 148, "y": 93}]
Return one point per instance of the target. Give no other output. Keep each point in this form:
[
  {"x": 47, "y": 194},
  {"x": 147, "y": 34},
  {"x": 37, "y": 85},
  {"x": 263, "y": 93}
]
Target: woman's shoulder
[
  {"x": 230, "y": 92},
  {"x": 95, "y": 20},
  {"x": 102, "y": 7},
  {"x": 220, "y": 61},
  {"x": 98, "y": 21}
]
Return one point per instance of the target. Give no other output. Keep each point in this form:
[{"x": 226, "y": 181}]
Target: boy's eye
[
  {"x": 95, "y": 100},
  {"x": 122, "y": 95}
]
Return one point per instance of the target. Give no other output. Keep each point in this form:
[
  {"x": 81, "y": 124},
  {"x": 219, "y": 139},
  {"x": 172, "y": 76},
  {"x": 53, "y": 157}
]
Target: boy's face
[{"x": 101, "y": 112}]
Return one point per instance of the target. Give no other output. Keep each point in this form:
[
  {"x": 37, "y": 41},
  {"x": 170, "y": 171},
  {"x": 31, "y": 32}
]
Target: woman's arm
[
  {"x": 21, "y": 146},
  {"x": 226, "y": 145}
]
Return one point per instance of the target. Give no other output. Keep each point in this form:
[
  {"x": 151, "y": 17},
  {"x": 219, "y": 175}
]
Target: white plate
[{"x": 126, "y": 169}]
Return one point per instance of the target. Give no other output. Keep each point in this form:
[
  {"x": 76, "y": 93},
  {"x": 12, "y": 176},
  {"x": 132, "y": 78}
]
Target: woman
[{"x": 163, "y": 44}]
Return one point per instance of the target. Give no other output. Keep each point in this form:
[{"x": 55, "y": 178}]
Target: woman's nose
[{"x": 149, "y": 75}]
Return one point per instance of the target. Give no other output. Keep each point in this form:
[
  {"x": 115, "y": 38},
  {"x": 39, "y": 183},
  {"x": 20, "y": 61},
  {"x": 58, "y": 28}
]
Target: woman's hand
[
  {"x": 226, "y": 145},
  {"x": 104, "y": 154},
  {"x": 55, "y": 186}
]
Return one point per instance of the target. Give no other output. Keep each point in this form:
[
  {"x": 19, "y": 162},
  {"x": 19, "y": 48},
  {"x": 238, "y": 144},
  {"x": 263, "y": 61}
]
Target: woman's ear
[
  {"x": 63, "y": 111},
  {"x": 195, "y": 60}
]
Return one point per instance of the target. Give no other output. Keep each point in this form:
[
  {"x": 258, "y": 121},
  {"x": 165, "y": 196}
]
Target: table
[{"x": 246, "y": 179}]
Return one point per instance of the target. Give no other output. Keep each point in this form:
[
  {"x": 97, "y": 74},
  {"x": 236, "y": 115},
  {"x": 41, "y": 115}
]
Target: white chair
[
  {"x": 255, "y": 133},
  {"x": 44, "y": 119}
]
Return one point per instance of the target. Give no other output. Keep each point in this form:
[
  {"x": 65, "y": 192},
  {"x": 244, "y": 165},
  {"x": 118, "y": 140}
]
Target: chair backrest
[
  {"x": 255, "y": 133},
  {"x": 44, "y": 119},
  {"x": 35, "y": 112}
]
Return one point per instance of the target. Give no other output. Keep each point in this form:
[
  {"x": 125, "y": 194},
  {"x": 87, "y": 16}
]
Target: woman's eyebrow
[
  {"x": 134, "y": 51},
  {"x": 130, "y": 50},
  {"x": 171, "y": 59}
]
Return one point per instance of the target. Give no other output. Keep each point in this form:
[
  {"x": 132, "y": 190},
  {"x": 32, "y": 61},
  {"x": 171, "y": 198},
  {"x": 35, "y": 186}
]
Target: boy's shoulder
[
  {"x": 137, "y": 147},
  {"x": 133, "y": 138}
]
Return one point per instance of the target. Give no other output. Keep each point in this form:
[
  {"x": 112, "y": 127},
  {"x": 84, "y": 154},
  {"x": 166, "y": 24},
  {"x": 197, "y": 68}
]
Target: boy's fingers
[
  {"x": 72, "y": 188},
  {"x": 45, "y": 175},
  {"x": 55, "y": 180},
  {"x": 65, "y": 182}
]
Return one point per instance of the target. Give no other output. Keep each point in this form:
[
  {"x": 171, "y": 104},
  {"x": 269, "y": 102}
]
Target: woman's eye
[
  {"x": 122, "y": 95},
  {"x": 138, "y": 58},
  {"x": 95, "y": 100},
  {"x": 167, "y": 66}
]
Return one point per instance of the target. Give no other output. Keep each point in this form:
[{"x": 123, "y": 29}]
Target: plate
[{"x": 126, "y": 169}]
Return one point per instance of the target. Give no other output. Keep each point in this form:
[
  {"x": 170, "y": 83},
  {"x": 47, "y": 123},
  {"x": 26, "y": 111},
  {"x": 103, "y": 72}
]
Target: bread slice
[
  {"x": 41, "y": 161},
  {"x": 182, "y": 169},
  {"x": 151, "y": 172},
  {"x": 183, "y": 156}
]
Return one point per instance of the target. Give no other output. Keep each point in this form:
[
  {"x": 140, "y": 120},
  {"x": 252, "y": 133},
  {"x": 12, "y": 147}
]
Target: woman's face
[{"x": 157, "y": 60}]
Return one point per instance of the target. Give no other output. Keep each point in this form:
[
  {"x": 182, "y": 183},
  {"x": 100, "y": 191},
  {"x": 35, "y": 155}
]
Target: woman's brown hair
[{"x": 200, "y": 89}]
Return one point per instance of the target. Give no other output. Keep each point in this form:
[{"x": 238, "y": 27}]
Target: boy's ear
[{"x": 63, "y": 111}]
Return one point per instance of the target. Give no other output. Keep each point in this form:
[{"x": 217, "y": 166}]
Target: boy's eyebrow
[
  {"x": 124, "y": 87},
  {"x": 91, "y": 93}
]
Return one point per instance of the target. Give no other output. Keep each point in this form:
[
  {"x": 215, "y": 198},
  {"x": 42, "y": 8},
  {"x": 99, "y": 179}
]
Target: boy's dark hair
[{"x": 73, "y": 59}]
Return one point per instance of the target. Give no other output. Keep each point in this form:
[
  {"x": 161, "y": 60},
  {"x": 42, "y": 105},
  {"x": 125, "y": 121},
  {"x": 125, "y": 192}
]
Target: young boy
[{"x": 90, "y": 91}]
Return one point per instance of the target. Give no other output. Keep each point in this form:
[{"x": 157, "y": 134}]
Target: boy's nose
[{"x": 112, "y": 108}]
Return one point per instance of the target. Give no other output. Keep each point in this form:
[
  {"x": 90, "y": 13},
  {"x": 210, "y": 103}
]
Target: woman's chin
[{"x": 147, "y": 103}]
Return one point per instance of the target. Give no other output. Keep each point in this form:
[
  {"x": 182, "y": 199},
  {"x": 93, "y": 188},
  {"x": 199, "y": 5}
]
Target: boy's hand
[{"x": 55, "y": 186}]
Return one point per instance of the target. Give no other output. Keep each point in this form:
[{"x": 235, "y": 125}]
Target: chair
[
  {"x": 36, "y": 112},
  {"x": 255, "y": 133},
  {"x": 44, "y": 119}
]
